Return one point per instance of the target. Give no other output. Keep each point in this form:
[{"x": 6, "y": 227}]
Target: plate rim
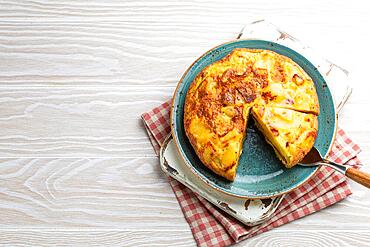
[{"x": 190, "y": 166}]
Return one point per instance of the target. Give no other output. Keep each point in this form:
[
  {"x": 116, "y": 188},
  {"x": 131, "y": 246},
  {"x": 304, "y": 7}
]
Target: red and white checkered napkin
[{"x": 212, "y": 227}]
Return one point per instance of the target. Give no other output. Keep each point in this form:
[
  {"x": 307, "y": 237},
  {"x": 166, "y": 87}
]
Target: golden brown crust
[{"x": 219, "y": 99}]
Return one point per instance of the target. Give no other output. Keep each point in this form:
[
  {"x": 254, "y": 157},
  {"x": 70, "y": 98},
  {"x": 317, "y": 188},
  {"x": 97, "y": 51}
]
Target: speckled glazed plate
[{"x": 260, "y": 174}]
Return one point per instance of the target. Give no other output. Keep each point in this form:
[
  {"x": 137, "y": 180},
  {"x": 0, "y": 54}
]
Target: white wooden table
[{"x": 76, "y": 167}]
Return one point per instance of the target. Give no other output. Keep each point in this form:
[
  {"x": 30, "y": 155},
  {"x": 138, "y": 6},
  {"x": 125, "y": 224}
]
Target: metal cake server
[{"x": 314, "y": 158}]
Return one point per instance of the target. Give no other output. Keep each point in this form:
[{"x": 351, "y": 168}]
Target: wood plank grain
[
  {"x": 124, "y": 193},
  {"x": 174, "y": 11},
  {"x": 75, "y": 43},
  {"x": 100, "y": 53},
  {"x": 78, "y": 193},
  {"x": 180, "y": 238},
  {"x": 309, "y": 238},
  {"x": 95, "y": 238},
  {"x": 71, "y": 122}
]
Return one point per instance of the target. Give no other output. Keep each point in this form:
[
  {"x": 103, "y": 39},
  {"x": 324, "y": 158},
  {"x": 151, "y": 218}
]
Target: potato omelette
[{"x": 270, "y": 87}]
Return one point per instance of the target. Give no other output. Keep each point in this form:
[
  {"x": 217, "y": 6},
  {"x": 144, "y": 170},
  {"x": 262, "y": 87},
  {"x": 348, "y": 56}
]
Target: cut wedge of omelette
[
  {"x": 280, "y": 95},
  {"x": 291, "y": 133}
]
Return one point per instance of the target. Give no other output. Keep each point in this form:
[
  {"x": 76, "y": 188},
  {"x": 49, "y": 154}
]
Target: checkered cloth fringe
[{"x": 213, "y": 227}]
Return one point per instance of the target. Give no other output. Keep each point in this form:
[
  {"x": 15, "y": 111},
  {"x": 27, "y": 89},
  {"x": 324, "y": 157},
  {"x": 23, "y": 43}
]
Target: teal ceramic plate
[{"x": 260, "y": 174}]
